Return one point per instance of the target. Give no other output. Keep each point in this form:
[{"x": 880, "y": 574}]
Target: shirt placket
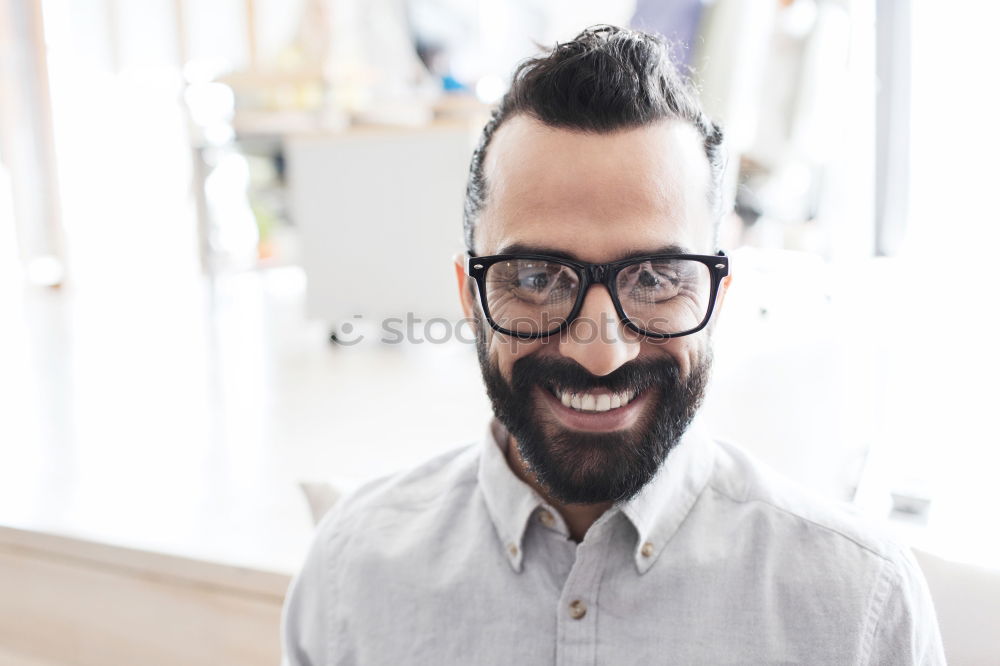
[{"x": 578, "y": 609}]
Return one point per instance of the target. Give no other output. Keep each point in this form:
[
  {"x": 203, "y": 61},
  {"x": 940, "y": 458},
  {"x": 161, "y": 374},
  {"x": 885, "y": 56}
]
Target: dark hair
[{"x": 604, "y": 80}]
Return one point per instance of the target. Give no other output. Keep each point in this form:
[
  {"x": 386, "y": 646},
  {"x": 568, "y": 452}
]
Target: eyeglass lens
[{"x": 665, "y": 296}]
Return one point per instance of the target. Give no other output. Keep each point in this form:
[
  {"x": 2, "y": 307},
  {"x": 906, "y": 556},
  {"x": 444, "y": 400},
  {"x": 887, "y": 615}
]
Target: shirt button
[
  {"x": 546, "y": 518},
  {"x": 577, "y": 609},
  {"x": 647, "y": 549},
  {"x": 512, "y": 549}
]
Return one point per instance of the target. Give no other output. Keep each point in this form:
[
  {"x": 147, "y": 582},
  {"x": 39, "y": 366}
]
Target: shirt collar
[
  {"x": 662, "y": 505},
  {"x": 656, "y": 512},
  {"x": 509, "y": 500}
]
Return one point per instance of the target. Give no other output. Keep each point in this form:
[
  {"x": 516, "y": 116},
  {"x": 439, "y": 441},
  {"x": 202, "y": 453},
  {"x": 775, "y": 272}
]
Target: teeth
[{"x": 589, "y": 402}]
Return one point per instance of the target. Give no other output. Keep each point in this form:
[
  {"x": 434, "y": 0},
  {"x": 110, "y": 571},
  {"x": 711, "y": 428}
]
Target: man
[{"x": 595, "y": 524}]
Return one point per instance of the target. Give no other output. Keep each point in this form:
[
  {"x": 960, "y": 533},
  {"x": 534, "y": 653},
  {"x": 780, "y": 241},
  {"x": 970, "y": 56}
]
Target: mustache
[{"x": 567, "y": 375}]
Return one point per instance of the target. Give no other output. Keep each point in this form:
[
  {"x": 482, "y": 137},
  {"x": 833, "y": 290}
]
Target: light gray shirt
[{"x": 716, "y": 561}]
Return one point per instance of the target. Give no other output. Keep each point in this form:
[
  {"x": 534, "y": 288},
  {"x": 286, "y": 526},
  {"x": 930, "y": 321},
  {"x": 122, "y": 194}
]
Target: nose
[{"x": 597, "y": 339}]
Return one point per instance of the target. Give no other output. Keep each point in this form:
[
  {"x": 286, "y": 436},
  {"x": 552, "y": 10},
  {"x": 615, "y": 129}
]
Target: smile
[
  {"x": 594, "y": 411},
  {"x": 596, "y": 401}
]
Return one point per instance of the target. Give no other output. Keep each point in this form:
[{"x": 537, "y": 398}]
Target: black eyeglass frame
[{"x": 604, "y": 274}]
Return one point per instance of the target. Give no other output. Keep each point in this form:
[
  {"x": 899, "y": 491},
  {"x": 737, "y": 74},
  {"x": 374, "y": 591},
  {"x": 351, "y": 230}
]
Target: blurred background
[{"x": 226, "y": 292}]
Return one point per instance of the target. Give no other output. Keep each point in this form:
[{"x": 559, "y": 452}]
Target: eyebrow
[{"x": 522, "y": 248}]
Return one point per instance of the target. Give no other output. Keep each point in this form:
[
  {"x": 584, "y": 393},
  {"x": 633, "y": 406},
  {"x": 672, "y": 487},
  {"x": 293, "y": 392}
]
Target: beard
[{"x": 577, "y": 467}]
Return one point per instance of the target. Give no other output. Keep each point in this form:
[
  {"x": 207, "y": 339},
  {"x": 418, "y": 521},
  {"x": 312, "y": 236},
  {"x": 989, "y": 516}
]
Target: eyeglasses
[{"x": 533, "y": 296}]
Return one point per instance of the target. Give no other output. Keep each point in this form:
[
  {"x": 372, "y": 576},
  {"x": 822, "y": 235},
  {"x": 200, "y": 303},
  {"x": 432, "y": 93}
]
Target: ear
[
  {"x": 723, "y": 289},
  {"x": 466, "y": 287}
]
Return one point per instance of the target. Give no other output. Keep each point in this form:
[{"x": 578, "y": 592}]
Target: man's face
[{"x": 597, "y": 198}]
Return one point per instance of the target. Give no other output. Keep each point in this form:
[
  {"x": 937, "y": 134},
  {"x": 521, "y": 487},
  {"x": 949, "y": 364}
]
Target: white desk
[{"x": 380, "y": 216}]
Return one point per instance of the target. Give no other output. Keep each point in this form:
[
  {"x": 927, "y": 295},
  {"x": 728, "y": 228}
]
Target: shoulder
[
  {"x": 399, "y": 498},
  {"x": 813, "y": 544},
  {"x": 742, "y": 480},
  {"x": 816, "y": 561},
  {"x": 372, "y": 527}
]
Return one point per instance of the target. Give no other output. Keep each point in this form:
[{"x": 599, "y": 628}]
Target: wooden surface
[
  {"x": 71, "y": 602},
  {"x": 9, "y": 658}
]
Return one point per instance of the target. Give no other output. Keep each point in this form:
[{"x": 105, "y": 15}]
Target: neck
[{"x": 578, "y": 517}]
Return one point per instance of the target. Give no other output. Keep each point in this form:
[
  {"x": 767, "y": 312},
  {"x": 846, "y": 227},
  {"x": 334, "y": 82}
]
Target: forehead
[{"x": 596, "y": 196}]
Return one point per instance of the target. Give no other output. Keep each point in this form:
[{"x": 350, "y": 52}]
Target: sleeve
[
  {"x": 907, "y": 629},
  {"x": 304, "y": 618}
]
